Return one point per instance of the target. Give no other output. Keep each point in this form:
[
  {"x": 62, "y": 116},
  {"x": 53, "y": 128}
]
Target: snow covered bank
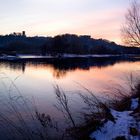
[{"x": 125, "y": 124}]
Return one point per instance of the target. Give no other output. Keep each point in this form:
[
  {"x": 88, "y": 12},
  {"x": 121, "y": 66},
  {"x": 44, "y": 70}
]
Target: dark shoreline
[{"x": 67, "y": 56}]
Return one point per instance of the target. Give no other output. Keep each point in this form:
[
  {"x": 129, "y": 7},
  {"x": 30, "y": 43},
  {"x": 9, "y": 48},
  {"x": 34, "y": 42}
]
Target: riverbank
[
  {"x": 26, "y": 57},
  {"x": 125, "y": 127},
  {"x": 117, "y": 119},
  {"x": 126, "y": 124}
]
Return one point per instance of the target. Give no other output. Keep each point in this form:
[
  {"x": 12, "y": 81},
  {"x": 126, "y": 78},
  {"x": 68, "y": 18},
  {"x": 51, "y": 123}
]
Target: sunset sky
[{"x": 98, "y": 18}]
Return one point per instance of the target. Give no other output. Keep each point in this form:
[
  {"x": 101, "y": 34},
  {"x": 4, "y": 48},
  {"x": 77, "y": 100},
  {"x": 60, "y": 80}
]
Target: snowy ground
[{"x": 124, "y": 121}]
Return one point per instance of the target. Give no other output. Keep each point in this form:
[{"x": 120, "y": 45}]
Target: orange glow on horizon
[{"x": 101, "y": 24}]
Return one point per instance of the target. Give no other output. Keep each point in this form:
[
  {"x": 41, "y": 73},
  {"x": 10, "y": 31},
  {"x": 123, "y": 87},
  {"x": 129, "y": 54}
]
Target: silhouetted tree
[
  {"x": 131, "y": 29},
  {"x": 58, "y": 45}
]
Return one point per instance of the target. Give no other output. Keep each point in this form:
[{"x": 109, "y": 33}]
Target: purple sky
[{"x": 98, "y": 18}]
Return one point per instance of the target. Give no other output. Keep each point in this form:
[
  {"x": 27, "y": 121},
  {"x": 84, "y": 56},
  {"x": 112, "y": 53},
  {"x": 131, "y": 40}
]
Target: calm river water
[{"x": 35, "y": 79}]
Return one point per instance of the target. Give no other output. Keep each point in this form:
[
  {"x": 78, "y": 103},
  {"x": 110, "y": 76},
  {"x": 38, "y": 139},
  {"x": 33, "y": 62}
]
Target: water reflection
[
  {"x": 60, "y": 67},
  {"x": 38, "y": 76}
]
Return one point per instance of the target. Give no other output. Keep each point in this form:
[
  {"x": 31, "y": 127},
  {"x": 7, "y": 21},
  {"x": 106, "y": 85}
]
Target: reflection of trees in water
[
  {"x": 20, "y": 66},
  {"x": 59, "y": 73},
  {"x": 60, "y": 67}
]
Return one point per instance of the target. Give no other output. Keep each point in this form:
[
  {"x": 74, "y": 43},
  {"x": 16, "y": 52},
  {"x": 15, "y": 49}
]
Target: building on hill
[{"x": 23, "y": 33}]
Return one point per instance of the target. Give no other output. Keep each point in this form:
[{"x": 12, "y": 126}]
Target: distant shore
[{"x": 24, "y": 57}]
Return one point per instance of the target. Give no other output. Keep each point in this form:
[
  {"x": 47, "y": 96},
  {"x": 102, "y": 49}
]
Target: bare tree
[{"x": 131, "y": 28}]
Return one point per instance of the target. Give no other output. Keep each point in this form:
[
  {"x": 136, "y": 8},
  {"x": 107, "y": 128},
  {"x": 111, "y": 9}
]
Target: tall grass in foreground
[
  {"x": 20, "y": 118},
  {"x": 122, "y": 94},
  {"x": 97, "y": 111}
]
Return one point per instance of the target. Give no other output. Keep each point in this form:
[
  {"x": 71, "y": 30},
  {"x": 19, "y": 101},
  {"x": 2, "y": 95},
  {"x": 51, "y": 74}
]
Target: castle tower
[{"x": 23, "y": 33}]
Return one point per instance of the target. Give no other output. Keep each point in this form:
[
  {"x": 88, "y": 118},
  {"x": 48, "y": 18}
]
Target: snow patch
[
  {"x": 134, "y": 103},
  {"x": 112, "y": 130}
]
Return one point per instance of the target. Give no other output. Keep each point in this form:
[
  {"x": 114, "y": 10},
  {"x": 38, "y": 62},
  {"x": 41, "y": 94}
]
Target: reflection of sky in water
[{"x": 36, "y": 80}]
